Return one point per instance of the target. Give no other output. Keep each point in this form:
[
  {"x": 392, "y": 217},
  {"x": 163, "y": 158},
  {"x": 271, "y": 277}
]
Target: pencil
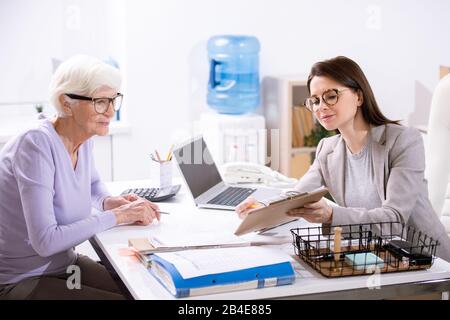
[
  {"x": 157, "y": 155},
  {"x": 169, "y": 155}
]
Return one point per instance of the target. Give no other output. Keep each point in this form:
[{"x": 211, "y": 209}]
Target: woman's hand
[
  {"x": 115, "y": 202},
  {"x": 316, "y": 212},
  {"x": 140, "y": 211},
  {"x": 246, "y": 206}
]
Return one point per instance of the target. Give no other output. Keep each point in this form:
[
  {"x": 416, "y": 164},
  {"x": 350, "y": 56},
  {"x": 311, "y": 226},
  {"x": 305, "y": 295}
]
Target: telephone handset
[{"x": 247, "y": 172}]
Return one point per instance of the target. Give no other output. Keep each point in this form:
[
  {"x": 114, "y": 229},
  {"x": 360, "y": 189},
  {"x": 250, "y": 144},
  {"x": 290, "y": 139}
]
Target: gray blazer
[{"x": 399, "y": 163}]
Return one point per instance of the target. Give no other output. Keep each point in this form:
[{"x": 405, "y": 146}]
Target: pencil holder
[{"x": 165, "y": 174}]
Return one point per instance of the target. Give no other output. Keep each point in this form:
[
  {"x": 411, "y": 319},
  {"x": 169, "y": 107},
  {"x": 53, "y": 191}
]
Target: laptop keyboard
[{"x": 232, "y": 196}]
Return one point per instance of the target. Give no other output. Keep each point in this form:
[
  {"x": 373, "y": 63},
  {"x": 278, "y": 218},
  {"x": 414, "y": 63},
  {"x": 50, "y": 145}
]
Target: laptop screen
[{"x": 197, "y": 166}]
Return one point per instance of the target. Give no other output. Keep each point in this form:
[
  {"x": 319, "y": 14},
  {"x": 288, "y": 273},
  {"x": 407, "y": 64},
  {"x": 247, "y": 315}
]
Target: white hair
[{"x": 82, "y": 75}]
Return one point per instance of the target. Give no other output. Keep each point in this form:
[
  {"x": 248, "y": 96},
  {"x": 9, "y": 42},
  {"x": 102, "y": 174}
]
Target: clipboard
[{"x": 275, "y": 213}]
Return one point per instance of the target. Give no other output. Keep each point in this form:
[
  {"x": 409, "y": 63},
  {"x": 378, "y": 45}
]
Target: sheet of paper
[
  {"x": 196, "y": 238},
  {"x": 194, "y": 263},
  {"x": 214, "y": 229}
]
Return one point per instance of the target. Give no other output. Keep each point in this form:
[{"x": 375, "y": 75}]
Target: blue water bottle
[{"x": 233, "y": 86}]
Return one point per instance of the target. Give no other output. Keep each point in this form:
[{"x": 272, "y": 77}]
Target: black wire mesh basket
[{"x": 357, "y": 249}]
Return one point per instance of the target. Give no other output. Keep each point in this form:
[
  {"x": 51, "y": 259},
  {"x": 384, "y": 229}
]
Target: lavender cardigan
[{"x": 45, "y": 204}]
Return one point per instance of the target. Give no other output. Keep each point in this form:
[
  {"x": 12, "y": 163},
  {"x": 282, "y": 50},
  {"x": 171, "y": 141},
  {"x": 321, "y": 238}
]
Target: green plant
[
  {"x": 317, "y": 133},
  {"x": 39, "y": 107}
]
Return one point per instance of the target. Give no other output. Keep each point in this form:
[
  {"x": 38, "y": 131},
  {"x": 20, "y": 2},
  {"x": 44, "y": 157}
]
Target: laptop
[{"x": 205, "y": 183}]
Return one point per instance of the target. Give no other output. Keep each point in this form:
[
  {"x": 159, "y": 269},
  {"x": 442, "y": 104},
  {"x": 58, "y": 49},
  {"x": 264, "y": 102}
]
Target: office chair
[{"x": 438, "y": 151}]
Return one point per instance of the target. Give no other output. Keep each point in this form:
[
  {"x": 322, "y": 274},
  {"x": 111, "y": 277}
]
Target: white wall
[
  {"x": 161, "y": 46},
  {"x": 399, "y": 44},
  {"x": 33, "y": 32}
]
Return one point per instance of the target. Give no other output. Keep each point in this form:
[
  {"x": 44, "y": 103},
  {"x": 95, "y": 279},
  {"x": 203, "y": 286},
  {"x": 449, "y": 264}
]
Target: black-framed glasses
[
  {"x": 330, "y": 97},
  {"x": 101, "y": 104}
]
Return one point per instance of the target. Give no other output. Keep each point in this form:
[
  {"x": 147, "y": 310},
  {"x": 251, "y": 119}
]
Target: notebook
[{"x": 202, "y": 272}]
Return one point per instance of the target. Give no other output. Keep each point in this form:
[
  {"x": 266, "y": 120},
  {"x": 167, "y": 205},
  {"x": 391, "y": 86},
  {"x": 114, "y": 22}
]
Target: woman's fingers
[
  {"x": 114, "y": 202},
  {"x": 150, "y": 217},
  {"x": 127, "y": 198},
  {"x": 154, "y": 205},
  {"x": 145, "y": 212},
  {"x": 154, "y": 214},
  {"x": 242, "y": 214},
  {"x": 240, "y": 207},
  {"x": 148, "y": 213},
  {"x": 154, "y": 211},
  {"x": 310, "y": 215},
  {"x": 131, "y": 197},
  {"x": 313, "y": 205},
  {"x": 146, "y": 217},
  {"x": 302, "y": 211},
  {"x": 245, "y": 206}
]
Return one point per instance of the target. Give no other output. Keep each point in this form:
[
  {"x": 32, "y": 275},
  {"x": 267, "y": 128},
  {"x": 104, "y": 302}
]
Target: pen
[
  {"x": 169, "y": 155},
  {"x": 258, "y": 204},
  {"x": 163, "y": 212}
]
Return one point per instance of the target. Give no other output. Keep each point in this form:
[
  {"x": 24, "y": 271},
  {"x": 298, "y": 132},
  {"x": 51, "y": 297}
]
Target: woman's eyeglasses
[
  {"x": 101, "y": 105},
  {"x": 330, "y": 97}
]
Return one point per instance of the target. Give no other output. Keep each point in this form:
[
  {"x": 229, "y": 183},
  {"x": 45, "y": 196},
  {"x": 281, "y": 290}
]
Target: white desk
[{"x": 185, "y": 218}]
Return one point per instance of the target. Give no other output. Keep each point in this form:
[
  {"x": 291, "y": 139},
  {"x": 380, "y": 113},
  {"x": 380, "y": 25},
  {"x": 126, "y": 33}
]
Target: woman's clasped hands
[{"x": 130, "y": 208}]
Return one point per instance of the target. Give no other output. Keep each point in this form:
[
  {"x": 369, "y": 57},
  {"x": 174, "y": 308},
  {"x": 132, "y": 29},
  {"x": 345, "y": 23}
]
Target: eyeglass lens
[
  {"x": 330, "y": 97},
  {"x": 102, "y": 104}
]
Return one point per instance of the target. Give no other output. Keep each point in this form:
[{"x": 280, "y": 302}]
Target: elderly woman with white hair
[{"x": 49, "y": 185}]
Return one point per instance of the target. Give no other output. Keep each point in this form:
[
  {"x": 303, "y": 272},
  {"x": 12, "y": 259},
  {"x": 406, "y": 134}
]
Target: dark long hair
[{"x": 349, "y": 74}]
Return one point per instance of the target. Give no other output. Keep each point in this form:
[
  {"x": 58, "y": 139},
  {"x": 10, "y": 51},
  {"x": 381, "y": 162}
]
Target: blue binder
[{"x": 252, "y": 278}]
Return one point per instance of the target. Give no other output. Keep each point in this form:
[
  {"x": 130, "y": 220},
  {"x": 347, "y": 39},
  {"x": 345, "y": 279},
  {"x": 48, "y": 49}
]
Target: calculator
[{"x": 155, "y": 194}]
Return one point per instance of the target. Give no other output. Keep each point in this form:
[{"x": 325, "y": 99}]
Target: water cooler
[
  {"x": 231, "y": 129},
  {"x": 232, "y": 138}
]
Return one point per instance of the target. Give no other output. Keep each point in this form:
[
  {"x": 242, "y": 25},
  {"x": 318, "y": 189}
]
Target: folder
[{"x": 258, "y": 277}]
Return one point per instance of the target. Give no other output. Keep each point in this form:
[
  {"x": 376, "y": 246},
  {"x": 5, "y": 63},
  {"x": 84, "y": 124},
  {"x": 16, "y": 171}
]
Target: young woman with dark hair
[{"x": 373, "y": 169}]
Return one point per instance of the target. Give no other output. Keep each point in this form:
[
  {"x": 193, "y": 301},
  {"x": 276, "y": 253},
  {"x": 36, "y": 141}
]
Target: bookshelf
[
  {"x": 287, "y": 122},
  {"x": 443, "y": 71}
]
